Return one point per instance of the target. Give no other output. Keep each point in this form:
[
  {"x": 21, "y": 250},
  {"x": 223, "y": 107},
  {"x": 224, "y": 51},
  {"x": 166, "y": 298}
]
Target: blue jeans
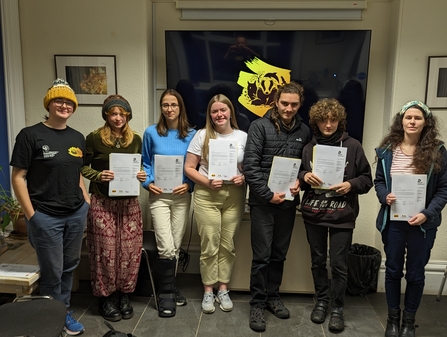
[
  {"x": 57, "y": 241},
  {"x": 398, "y": 237}
]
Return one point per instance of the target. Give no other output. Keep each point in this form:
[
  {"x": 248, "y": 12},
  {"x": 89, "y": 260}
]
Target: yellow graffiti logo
[
  {"x": 260, "y": 87},
  {"x": 75, "y": 152}
]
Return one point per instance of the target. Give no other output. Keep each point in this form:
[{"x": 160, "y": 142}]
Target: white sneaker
[
  {"x": 208, "y": 303},
  {"x": 224, "y": 299}
]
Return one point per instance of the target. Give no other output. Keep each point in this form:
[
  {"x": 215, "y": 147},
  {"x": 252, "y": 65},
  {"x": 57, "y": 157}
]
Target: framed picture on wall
[
  {"x": 93, "y": 78},
  {"x": 436, "y": 92}
]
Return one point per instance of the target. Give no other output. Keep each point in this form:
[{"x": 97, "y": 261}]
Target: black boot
[
  {"x": 166, "y": 296},
  {"x": 125, "y": 306},
  {"x": 408, "y": 328},
  {"x": 108, "y": 310},
  {"x": 392, "y": 323}
]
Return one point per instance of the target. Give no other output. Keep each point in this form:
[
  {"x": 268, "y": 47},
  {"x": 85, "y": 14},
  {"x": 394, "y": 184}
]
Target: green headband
[{"x": 419, "y": 104}]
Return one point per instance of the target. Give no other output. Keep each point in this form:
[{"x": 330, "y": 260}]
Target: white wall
[{"x": 404, "y": 34}]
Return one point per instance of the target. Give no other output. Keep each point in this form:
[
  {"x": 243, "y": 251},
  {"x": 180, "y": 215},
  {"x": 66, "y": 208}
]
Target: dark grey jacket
[{"x": 263, "y": 143}]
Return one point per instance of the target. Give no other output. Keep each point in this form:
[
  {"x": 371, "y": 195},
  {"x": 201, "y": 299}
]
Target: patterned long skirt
[{"x": 114, "y": 241}]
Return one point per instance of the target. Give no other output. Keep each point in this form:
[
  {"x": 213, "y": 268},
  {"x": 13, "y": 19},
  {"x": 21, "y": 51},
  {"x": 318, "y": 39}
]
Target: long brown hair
[
  {"x": 426, "y": 149},
  {"x": 289, "y": 88},
  {"x": 209, "y": 126},
  {"x": 183, "y": 125}
]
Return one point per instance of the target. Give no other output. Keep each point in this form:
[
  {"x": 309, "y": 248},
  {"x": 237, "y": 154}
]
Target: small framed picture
[
  {"x": 93, "y": 78},
  {"x": 436, "y": 92}
]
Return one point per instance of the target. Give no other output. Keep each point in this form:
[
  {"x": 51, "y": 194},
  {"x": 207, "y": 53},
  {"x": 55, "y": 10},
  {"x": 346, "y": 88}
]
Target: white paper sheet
[
  {"x": 18, "y": 270},
  {"x": 125, "y": 167},
  {"x": 410, "y": 191},
  {"x": 222, "y": 163},
  {"x": 168, "y": 172},
  {"x": 283, "y": 175},
  {"x": 329, "y": 164}
]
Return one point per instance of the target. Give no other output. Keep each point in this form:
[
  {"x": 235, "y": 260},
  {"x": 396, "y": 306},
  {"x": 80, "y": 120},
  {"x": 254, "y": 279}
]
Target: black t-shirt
[{"x": 53, "y": 160}]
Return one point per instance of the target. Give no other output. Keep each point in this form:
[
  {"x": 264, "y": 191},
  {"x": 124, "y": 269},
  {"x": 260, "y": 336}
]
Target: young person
[
  {"x": 114, "y": 224},
  {"x": 46, "y": 177},
  {"x": 169, "y": 137},
  {"x": 331, "y": 212},
  {"x": 218, "y": 204},
  {"x": 412, "y": 146},
  {"x": 279, "y": 133}
]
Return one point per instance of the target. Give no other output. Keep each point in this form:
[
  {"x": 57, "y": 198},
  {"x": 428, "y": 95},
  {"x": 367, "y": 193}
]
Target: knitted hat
[
  {"x": 60, "y": 89},
  {"x": 113, "y": 101},
  {"x": 418, "y": 104}
]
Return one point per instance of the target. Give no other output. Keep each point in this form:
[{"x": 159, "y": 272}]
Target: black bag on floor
[{"x": 363, "y": 269}]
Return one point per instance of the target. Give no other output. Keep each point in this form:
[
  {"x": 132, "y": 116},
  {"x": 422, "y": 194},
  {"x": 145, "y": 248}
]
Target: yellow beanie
[{"x": 60, "y": 89}]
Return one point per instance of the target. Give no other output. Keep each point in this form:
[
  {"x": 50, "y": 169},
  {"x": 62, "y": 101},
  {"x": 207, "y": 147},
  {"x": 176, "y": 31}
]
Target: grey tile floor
[{"x": 365, "y": 316}]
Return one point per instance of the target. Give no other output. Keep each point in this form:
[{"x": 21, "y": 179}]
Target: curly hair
[
  {"x": 289, "y": 88},
  {"x": 319, "y": 112},
  {"x": 183, "y": 125},
  {"x": 209, "y": 127},
  {"x": 425, "y": 153}
]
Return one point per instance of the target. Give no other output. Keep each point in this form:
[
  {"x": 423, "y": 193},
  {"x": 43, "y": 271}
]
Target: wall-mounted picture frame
[
  {"x": 92, "y": 77},
  {"x": 436, "y": 92}
]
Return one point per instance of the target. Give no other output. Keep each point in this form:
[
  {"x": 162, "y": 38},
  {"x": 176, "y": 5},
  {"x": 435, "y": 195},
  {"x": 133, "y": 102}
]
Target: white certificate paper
[
  {"x": 168, "y": 172},
  {"x": 329, "y": 164},
  {"x": 125, "y": 167},
  {"x": 410, "y": 191},
  {"x": 283, "y": 175},
  {"x": 222, "y": 163}
]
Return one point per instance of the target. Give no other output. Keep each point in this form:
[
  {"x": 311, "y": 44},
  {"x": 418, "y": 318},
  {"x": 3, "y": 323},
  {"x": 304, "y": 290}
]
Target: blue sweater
[
  {"x": 435, "y": 199},
  {"x": 170, "y": 145}
]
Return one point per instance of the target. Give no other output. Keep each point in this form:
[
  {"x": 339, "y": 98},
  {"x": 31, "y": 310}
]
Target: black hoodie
[{"x": 325, "y": 207}]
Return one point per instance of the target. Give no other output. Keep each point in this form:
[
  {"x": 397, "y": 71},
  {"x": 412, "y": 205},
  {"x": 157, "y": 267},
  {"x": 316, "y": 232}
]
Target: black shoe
[
  {"x": 257, "y": 318},
  {"x": 125, "y": 307},
  {"x": 337, "y": 321},
  {"x": 408, "y": 328},
  {"x": 278, "y": 309},
  {"x": 179, "y": 298},
  {"x": 108, "y": 310},
  {"x": 392, "y": 323},
  {"x": 318, "y": 314}
]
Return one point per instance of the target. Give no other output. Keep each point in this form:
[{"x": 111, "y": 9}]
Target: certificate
[
  {"x": 410, "y": 191},
  {"x": 283, "y": 175},
  {"x": 168, "y": 172},
  {"x": 329, "y": 164},
  {"x": 125, "y": 167},
  {"x": 222, "y": 163}
]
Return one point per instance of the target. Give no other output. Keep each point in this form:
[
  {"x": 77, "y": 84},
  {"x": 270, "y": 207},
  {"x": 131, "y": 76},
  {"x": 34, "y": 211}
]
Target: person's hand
[
  {"x": 342, "y": 188},
  {"x": 277, "y": 198},
  {"x": 296, "y": 188},
  {"x": 154, "y": 189},
  {"x": 215, "y": 184},
  {"x": 141, "y": 176},
  {"x": 312, "y": 179},
  {"x": 417, "y": 220},
  {"x": 390, "y": 199},
  {"x": 182, "y": 189},
  {"x": 238, "y": 180},
  {"x": 107, "y": 175}
]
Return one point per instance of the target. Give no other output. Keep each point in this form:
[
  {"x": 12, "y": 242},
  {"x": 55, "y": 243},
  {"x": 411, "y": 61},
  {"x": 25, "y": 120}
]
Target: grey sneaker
[
  {"x": 208, "y": 303},
  {"x": 224, "y": 299}
]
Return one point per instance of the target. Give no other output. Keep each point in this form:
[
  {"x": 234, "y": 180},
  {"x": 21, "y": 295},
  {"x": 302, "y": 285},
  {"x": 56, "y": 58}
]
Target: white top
[{"x": 195, "y": 147}]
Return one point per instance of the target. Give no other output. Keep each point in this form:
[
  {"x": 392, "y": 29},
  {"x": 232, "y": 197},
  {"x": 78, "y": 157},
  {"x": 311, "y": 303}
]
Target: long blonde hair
[
  {"x": 106, "y": 132},
  {"x": 209, "y": 126}
]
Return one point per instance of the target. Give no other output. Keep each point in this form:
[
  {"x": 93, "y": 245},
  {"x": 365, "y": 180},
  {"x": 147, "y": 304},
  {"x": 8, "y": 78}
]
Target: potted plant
[{"x": 11, "y": 211}]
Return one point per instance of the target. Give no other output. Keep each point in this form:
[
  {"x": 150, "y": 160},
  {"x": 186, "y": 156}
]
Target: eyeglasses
[
  {"x": 166, "y": 106},
  {"x": 61, "y": 102}
]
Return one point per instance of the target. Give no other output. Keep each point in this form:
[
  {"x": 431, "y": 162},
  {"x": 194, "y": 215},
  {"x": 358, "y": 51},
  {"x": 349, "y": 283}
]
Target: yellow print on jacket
[{"x": 75, "y": 152}]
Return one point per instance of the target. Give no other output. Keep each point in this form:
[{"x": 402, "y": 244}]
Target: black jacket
[{"x": 263, "y": 143}]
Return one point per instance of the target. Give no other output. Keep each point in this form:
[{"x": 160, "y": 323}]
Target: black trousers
[
  {"x": 339, "y": 242},
  {"x": 271, "y": 231}
]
